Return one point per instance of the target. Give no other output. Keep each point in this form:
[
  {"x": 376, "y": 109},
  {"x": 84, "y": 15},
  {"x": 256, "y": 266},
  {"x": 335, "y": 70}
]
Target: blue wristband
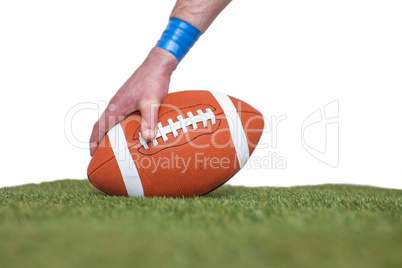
[{"x": 178, "y": 38}]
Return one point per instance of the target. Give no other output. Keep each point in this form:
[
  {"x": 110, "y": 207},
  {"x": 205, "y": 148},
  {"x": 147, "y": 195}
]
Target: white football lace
[{"x": 182, "y": 123}]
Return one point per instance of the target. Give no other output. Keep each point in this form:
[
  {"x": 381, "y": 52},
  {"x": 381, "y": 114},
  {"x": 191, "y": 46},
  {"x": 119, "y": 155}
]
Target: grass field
[{"x": 71, "y": 224}]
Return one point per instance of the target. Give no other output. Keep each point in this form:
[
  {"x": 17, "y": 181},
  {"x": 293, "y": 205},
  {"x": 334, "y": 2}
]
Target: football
[{"x": 203, "y": 139}]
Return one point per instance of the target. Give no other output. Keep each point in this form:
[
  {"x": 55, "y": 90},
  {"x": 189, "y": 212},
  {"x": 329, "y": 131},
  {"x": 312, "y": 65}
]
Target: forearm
[{"x": 199, "y": 13}]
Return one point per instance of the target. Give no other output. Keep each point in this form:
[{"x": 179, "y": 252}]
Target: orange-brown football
[{"x": 203, "y": 139}]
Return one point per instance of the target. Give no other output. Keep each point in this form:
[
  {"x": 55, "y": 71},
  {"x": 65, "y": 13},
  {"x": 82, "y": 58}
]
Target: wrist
[
  {"x": 162, "y": 59},
  {"x": 178, "y": 37}
]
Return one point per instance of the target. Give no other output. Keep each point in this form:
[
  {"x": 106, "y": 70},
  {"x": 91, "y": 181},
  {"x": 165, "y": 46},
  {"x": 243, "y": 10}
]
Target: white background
[{"x": 285, "y": 58}]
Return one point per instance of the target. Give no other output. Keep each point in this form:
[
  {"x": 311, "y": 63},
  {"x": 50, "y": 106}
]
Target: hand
[{"x": 144, "y": 91}]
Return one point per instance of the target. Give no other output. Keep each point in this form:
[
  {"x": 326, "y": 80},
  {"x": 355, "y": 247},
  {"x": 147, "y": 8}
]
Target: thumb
[{"x": 149, "y": 118}]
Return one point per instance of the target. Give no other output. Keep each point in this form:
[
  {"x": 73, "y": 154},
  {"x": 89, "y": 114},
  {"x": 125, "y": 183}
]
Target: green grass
[{"x": 71, "y": 224}]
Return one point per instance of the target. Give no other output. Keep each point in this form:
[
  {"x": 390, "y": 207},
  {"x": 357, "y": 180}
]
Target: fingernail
[{"x": 149, "y": 134}]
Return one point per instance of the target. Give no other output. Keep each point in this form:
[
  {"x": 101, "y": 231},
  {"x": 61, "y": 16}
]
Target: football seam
[
  {"x": 192, "y": 106},
  {"x": 179, "y": 144},
  {"x": 107, "y": 161}
]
